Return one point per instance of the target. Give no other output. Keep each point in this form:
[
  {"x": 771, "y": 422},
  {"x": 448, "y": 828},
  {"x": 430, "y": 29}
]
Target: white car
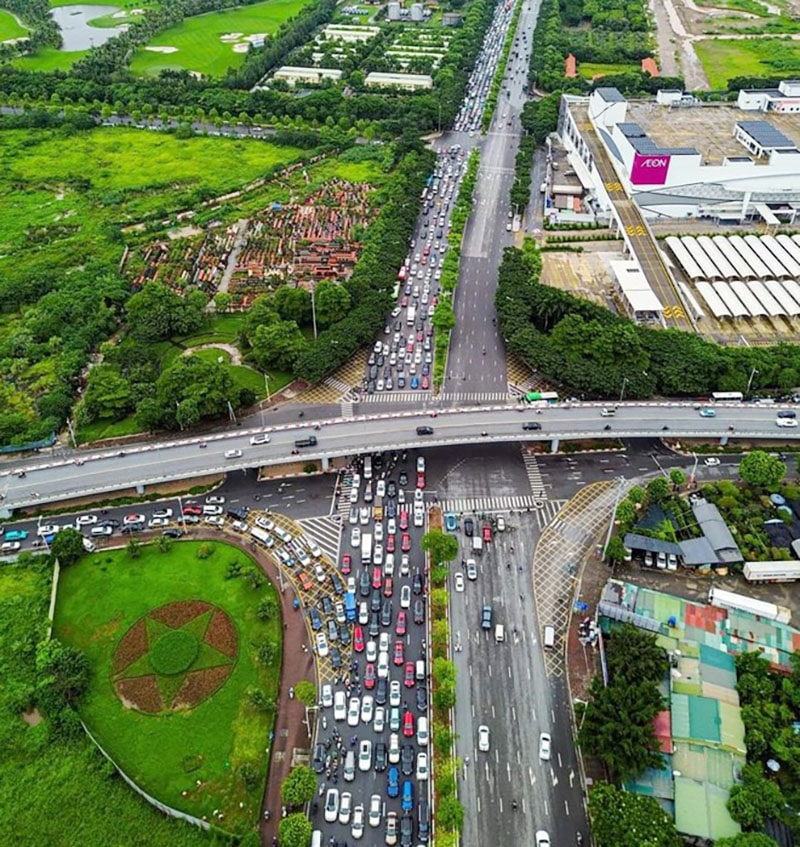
[
  {"x": 85, "y": 520},
  {"x": 501, "y": 523},
  {"x": 353, "y": 711},
  {"x": 391, "y": 829},
  {"x": 327, "y": 696},
  {"x": 483, "y": 738},
  {"x": 155, "y": 523},
  {"x": 355, "y": 536},
  {"x": 265, "y": 523},
  {"x": 365, "y": 755},
  {"x": 345, "y": 807},
  {"x": 394, "y": 693},
  {"x": 422, "y": 767},
  {"x": 339, "y": 612},
  {"x": 357, "y": 830},
  {"x": 262, "y": 438},
  {"x": 459, "y": 580},
  {"x": 375, "y": 810},
  {"x": 161, "y": 513},
  {"x": 380, "y": 489},
  {"x": 215, "y": 500},
  {"x": 544, "y": 746},
  {"x": 394, "y": 749},
  {"x": 405, "y": 597},
  {"x": 354, "y": 495},
  {"x": 332, "y": 805},
  {"x": 233, "y": 454},
  {"x": 367, "y": 705},
  {"x": 10, "y": 546},
  {"x": 102, "y": 531},
  {"x": 213, "y": 520},
  {"x": 420, "y": 464},
  {"x": 379, "y": 531},
  {"x": 383, "y": 665},
  {"x": 319, "y": 572},
  {"x": 405, "y": 564},
  {"x": 372, "y": 651},
  {"x": 127, "y": 521},
  {"x": 322, "y": 645},
  {"x": 711, "y": 462},
  {"x": 379, "y": 724},
  {"x": 542, "y": 839},
  {"x": 419, "y": 495},
  {"x": 339, "y": 706},
  {"x": 364, "y": 515},
  {"x": 383, "y": 642},
  {"x": 786, "y": 422}
]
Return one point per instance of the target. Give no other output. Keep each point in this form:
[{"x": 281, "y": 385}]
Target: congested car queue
[
  {"x": 371, "y": 747},
  {"x": 403, "y": 359}
]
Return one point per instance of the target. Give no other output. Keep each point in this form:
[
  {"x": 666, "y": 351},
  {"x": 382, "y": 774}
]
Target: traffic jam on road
[
  {"x": 372, "y": 733},
  {"x": 404, "y": 358}
]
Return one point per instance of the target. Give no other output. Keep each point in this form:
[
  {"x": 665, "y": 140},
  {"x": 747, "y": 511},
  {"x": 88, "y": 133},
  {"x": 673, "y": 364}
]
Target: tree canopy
[
  {"x": 623, "y": 819},
  {"x": 762, "y": 469},
  {"x": 441, "y": 546}
]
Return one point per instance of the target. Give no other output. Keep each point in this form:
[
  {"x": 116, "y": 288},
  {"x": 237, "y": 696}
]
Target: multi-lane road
[{"x": 95, "y": 473}]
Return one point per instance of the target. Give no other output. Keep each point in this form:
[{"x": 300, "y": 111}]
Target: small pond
[{"x": 75, "y": 29}]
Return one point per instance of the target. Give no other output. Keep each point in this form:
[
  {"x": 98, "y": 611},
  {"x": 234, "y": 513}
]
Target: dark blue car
[{"x": 407, "y": 802}]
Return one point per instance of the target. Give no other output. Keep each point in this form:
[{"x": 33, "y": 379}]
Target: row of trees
[{"x": 590, "y": 351}]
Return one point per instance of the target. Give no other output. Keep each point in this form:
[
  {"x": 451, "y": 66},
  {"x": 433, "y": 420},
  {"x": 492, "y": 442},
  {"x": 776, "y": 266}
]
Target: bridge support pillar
[
  {"x": 140, "y": 489},
  {"x": 554, "y": 445},
  {"x": 723, "y": 441},
  {"x": 326, "y": 464}
]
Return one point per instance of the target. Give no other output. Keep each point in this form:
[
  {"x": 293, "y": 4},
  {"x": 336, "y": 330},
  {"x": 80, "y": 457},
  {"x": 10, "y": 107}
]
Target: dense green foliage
[
  {"x": 299, "y": 787},
  {"x": 623, "y": 819},
  {"x": 440, "y": 546},
  {"x": 67, "y": 547},
  {"x": 589, "y": 351},
  {"x": 618, "y": 722},
  {"x": 747, "y": 839},
  {"x": 43, "y": 29},
  {"x": 762, "y": 469},
  {"x": 770, "y": 707},
  {"x": 52, "y": 765},
  {"x": 521, "y": 187}
]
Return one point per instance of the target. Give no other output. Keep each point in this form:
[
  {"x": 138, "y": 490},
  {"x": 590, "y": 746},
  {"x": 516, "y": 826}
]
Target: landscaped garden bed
[{"x": 174, "y": 646}]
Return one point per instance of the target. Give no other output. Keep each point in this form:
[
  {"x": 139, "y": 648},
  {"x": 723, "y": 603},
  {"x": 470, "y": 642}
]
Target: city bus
[
  {"x": 541, "y": 396},
  {"x": 729, "y": 396}
]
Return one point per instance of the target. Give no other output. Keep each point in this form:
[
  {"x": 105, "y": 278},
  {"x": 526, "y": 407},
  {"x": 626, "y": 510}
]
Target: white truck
[
  {"x": 411, "y": 315},
  {"x": 366, "y": 549}
]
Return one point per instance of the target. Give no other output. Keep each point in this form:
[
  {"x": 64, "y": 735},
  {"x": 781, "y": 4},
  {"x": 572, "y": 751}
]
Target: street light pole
[
  {"x": 750, "y": 381},
  {"x": 622, "y": 390},
  {"x": 314, "y": 314}
]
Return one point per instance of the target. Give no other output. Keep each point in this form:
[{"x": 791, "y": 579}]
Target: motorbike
[{"x": 607, "y": 427}]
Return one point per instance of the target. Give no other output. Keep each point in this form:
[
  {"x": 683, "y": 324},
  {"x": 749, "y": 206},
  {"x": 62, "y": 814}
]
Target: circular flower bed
[
  {"x": 174, "y": 652},
  {"x": 175, "y": 657}
]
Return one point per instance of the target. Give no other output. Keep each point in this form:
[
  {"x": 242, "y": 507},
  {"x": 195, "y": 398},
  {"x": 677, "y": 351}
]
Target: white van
[
  {"x": 607, "y": 413},
  {"x": 422, "y": 731},
  {"x": 477, "y": 545},
  {"x": 499, "y": 633},
  {"x": 89, "y": 546},
  {"x": 549, "y": 637},
  {"x": 316, "y": 838},
  {"x": 420, "y": 670}
]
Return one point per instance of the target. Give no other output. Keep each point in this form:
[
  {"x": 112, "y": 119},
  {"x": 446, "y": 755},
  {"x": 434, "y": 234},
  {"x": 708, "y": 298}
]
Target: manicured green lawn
[
  {"x": 588, "y": 70},
  {"x": 223, "y": 329},
  {"x": 98, "y": 430},
  {"x": 49, "y": 59},
  {"x": 9, "y": 28},
  {"x": 99, "y": 599},
  {"x": 198, "y": 43},
  {"x": 723, "y": 59},
  {"x": 53, "y": 791}
]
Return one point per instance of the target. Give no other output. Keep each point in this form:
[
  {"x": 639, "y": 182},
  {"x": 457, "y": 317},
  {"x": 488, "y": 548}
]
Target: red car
[
  {"x": 405, "y": 542},
  {"x": 425, "y": 382},
  {"x": 358, "y": 639},
  {"x": 388, "y": 587},
  {"x": 420, "y": 336},
  {"x": 403, "y": 522},
  {"x": 305, "y": 580},
  {"x": 192, "y": 510},
  {"x": 402, "y": 620},
  {"x": 377, "y": 577},
  {"x": 408, "y": 675},
  {"x": 408, "y": 724},
  {"x": 486, "y": 532},
  {"x": 347, "y": 563},
  {"x": 410, "y": 346},
  {"x": 399, "y": 652},
  {"x": 390, "y": 542},
  {"x": 370, "y": 675},
  {"x": 420, "y": 480}
]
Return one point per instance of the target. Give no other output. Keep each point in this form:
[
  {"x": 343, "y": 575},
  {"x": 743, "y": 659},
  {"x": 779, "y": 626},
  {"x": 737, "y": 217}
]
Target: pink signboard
[{"x": 649, "y": 170}]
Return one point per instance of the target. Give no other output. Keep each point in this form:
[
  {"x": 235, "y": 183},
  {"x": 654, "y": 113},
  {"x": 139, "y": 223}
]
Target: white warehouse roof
[{"x": 635, "y": 288}]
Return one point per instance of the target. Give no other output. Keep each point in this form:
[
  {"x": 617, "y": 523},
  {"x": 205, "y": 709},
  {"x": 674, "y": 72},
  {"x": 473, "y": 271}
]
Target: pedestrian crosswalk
[
  {"x": 343, "y": 498},
  {"x": 446, "y": 397},
  {"x": 550, "y": 508},
  {"x": 481, "y": 505},
  {"x": 347, "y": 409},
  {"x": 534, "y": 476},
  {"x": 327, "y": 532},
  {"x": 338, "y": 384}
]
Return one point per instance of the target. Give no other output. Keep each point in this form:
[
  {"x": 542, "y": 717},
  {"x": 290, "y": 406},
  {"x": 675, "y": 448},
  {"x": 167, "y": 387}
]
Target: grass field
[
  {"x": 55, "y": 792},
  {"x": 9, "y": 28},
  {"x": 49, "y": 59},
  {"x": 197, "y": 39},
  {"x": 99, "y": 599},
  {"x": 723, "y": 59},
  {"x": 589, "y": 70}
]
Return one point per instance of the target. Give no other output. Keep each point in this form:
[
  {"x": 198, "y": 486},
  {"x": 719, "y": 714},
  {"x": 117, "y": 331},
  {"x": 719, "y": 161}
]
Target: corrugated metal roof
[{"x": 611, "y": 95}]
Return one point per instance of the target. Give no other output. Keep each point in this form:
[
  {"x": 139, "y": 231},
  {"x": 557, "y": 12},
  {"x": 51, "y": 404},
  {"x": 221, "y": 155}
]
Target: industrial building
[
  {"x": 307, "y": 76},
  {"x": 410, "y": 82}
]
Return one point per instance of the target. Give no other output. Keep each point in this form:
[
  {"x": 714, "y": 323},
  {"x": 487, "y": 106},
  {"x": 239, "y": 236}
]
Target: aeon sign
[{"x": 649, "y": 170}]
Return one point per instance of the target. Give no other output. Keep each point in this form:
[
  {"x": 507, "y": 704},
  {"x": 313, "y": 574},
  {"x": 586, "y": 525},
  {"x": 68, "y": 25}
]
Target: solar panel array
[
  {"x": 741, "y": 277},
  {"x": 766, "y": 135}
]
